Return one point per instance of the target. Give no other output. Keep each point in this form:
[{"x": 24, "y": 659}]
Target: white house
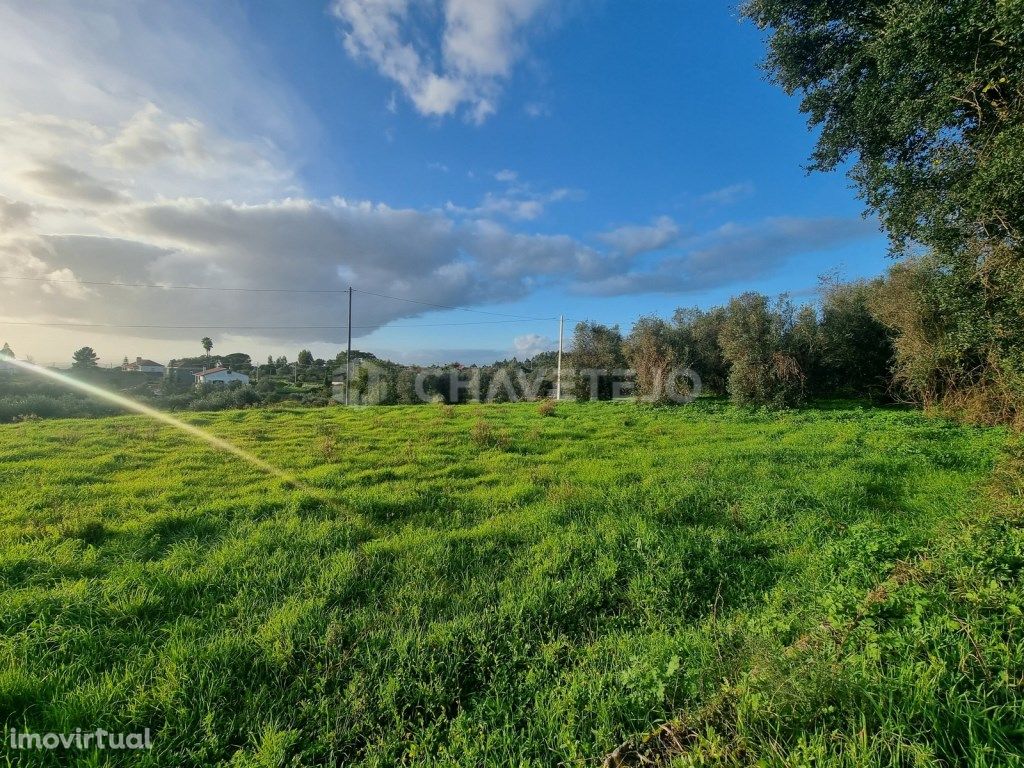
[
  {"x": 220, "y": 375},
  {"x": 144, "y": 366}
]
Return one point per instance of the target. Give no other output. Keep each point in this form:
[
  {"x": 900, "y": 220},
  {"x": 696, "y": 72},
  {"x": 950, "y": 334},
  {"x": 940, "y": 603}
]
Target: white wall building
[{"x": 220, "y": 375}]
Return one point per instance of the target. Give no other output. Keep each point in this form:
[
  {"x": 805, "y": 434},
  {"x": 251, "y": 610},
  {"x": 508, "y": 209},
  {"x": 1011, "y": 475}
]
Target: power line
[{"x": 254, "y": 328}]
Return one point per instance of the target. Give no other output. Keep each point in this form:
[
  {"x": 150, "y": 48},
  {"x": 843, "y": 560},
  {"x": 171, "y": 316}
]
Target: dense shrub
[
  {"x": 46, "y": 406},
  {"x": 958, "y": 336},
  {"x": 595, "y": 347},
  {"x": 757, "y": 340},
  {"x": 650, "y": 350},
  {"x": 856, "y": 347},
  {"x": 697, "y": 346}
]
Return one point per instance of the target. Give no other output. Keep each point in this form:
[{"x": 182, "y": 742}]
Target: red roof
[{"x": 212, "y": 370}]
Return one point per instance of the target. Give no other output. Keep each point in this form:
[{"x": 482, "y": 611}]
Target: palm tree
[{"x": 207, "y": 343}]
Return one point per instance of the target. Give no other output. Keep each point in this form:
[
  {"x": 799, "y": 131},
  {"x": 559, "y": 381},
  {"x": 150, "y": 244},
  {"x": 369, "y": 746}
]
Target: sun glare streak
[{"x": 153, "y": 413}]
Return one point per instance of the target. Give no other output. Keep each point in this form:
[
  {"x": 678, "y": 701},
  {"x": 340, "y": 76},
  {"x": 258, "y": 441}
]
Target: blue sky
[{"x": 601, "y": 160}]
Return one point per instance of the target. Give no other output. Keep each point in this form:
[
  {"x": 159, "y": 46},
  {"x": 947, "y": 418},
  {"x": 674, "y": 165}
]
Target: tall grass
[{"x": 838, "y": 586}]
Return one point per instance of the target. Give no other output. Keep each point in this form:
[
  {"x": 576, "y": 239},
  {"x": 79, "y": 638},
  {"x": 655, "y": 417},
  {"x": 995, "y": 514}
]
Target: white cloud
[
  {"x": 531, "y": 344},
  {"x": 633, "y": 240},
  {"x": 99, "y": 62},
  {"x": 517, "y": 201},
  {"x": 730, "y": 194},
  {"x": 462, "y": 65},
  {"x": 536, "y": 109}
]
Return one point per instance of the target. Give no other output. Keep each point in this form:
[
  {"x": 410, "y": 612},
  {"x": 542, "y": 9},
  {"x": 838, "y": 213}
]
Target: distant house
[
  {"x": 220, "y": 375},
  {"x": 142, "y": 365}
]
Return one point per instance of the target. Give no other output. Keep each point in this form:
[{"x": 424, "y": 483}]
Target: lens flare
[{"x": 153, "y": 413}]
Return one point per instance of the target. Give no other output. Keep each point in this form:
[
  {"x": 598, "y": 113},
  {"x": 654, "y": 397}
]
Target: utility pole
[
  {"x": 558, "y": 378},
  {"x": 348, "y": 353}
]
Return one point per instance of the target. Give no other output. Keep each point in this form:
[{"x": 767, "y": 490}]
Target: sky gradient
[{"x": 601, "y": 160}]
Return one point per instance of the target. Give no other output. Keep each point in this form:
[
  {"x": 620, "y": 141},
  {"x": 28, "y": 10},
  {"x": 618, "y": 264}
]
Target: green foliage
[
  {"x": 758, "y": 341},
  {"x": 829, "y": 586},
  {"x": 958, "y": 344},
  {"x": 926, "y": 96},
  {"x": 650, "y": 350},
  {"x": 856, "y": 347},
  {"x": 84, "y": 359},
  {"x": 926, "y": 99},
  {"x": 697, "y": 346},
  {"x": 596, "y": 353}
]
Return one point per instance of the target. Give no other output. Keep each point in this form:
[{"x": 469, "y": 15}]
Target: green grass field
[{"x": 486, "y": 585}]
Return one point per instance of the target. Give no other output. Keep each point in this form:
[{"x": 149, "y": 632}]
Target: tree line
[{"x": 757, "y": 350}]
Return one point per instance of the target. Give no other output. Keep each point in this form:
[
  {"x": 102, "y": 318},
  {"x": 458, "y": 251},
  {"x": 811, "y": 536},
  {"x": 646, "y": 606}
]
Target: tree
[
  {"x": 305, "y": 358},
  {"x": 596, "y": 354},
  {"x": 650, "y": 350},
  {"x": 6, "y": 351},
  {"x": 924, "y": 99},
  {"x": 697, "y": 347},
  {"x": 238, "y": 361},
  {"x": 806, "y": 346},
  {"x": 757, "y": 340},
  {"x": 924, "y": 95},
  {"x": 207, "y": 343},
  {"x": 85, "y": 359},
  {"x": 857, "y": 349}
]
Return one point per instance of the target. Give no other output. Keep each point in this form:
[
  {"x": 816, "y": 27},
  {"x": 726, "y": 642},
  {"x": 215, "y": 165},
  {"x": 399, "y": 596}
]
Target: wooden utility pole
[
  {"x": 558, "y": 378},
  {"x": 348, "y": 353}
]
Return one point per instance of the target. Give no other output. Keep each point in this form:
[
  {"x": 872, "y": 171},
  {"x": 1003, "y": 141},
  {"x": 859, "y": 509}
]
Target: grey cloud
[
  {"x": 328, "y": 245},
  {"x": 65, "y": 182},
  {"x": 633, "y": 240},
  {"x": 733, "y": 254},
  {"x": 293, "y": 244},
  {"x": 13, "y": 214}
]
